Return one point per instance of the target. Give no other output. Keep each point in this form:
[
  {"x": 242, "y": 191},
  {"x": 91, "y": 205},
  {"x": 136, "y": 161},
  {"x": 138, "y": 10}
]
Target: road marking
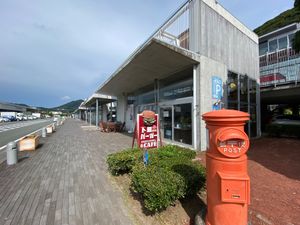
[{"x": 8, "y": 126}]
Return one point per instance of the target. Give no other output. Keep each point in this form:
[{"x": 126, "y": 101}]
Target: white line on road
[{"x": 7, "y": 127}]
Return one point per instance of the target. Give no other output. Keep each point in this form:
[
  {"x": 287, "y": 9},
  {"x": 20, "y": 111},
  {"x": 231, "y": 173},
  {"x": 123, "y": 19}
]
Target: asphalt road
[{"x": 16, "y": 133}]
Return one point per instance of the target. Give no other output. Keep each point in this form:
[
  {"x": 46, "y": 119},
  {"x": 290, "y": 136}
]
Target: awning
[
  {"x": 155, "y": 60},
  {"x": 102, "y": 99}
]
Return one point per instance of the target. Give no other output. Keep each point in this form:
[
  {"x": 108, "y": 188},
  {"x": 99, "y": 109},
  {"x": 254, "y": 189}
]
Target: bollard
[
  {"x": 11, "y": 153},
  {"x": 228, "y": 184},
  {"x": 44, "y": 132}
]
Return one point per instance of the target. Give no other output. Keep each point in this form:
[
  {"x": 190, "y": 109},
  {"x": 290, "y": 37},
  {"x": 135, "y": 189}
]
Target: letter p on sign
[{"x": 217, "y": 87}]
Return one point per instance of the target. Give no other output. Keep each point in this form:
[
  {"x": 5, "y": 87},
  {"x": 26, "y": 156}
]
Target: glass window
[
  {"x": 291, "y": 40},
  {"x": 232, "y": 90},
  {"x": 244, "y": 89},
  {"x": 177, "y": 90},
  {"x": 263, "y": 48},
  {"x": 273, "y": 46},
  {"x": 282, "y": 42},
  {"x": 146, "y": 98}
]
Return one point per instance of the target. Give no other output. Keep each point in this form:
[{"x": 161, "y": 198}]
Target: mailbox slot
[
  {"x": 232, "y": 142},
  {"x": 235, "y": 189}
]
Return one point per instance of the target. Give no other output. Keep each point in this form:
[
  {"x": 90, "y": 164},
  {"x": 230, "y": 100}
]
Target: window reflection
[
  {"x": 232, "y": 90},
  {"x": 241, "y": 95}
]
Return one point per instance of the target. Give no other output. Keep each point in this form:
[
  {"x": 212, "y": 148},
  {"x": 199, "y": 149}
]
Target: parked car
[
  {"x": 286, "y": 120},
  {"x": 3, "y": 119},
  {"x": 10, "y": 118},
  {"x": 19, "y": 117},
  {"x": 25, "y": 117}
]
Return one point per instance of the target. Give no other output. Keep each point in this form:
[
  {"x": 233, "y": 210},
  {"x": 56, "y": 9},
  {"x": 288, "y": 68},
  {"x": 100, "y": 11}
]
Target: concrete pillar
[
  {"x": 86, "y": 116},
  {"x": 196, "y": 107},
  {"x": 97, "y": 113},
  {"x": 122, "y": 107},
  {"x": 90, "y": 117},
  {"x": 195, "y": 26}
]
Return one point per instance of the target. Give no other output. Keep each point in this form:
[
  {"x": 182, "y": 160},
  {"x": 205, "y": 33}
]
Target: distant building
[
  {"x": 54, "y": 113},
  {"x": 279, "y": 63},
  {"x": 279, "y": 67}
]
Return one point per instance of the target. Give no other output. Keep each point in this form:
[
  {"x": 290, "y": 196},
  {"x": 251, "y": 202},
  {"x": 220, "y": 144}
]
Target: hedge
[
  {"x": 123, "y": 162},
  {"x": 159, "y": 187},
  {"x": 283, "y": 130},
  {"x": 170, "y": 175}
]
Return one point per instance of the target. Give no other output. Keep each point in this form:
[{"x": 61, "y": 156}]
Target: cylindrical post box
[
  {"x": 11, "y": 153},
  {"x": 228, "y": 183}
]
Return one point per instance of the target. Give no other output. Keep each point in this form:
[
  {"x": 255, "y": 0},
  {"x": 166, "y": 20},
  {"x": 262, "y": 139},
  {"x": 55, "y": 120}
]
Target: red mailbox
[{"x": 228, "y": 183}]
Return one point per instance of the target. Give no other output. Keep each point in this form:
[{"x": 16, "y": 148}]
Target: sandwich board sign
[{"x": 146, "y": 130}]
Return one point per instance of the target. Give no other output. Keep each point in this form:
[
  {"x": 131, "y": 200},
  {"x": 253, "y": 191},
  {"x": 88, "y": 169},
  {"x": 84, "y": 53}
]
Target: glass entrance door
[
  {"x": 166, "y": 121},
  {"x": 183, "y": 123},
  {"x": 176, "y": 123}
]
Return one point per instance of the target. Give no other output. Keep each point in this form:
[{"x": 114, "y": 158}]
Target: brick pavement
[{"x": 64, "y": 181}]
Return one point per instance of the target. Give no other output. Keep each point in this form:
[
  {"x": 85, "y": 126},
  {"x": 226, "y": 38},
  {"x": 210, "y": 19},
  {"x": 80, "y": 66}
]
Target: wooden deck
[{"x": 64, "y": 182}]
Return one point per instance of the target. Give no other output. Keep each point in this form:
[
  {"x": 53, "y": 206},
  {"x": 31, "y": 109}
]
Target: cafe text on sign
[{"x": 147, "y": 130}]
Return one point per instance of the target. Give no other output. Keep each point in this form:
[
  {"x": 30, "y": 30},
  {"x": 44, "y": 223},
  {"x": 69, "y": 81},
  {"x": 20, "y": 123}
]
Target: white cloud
[{"x": 65, "y": 98}]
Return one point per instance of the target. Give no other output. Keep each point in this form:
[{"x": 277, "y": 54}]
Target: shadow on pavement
[{"x": 281, "y": 155}]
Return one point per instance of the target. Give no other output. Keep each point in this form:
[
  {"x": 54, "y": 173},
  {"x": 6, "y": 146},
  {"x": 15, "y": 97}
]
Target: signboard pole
[
  {"x": 134, "y": 136},
  {"x": 160, "y": 140}
]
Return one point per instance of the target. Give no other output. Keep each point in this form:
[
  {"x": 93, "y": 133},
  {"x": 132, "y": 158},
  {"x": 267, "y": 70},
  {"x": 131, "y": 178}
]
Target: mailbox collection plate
[
  {"x": 232, "y": 142},
  {"x": 235, "y": 189}
]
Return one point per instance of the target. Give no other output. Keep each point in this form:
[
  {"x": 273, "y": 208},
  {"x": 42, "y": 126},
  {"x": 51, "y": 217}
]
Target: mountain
[
  {"x": 287, "y": 17},
  {"x": 68, "y": 107}
]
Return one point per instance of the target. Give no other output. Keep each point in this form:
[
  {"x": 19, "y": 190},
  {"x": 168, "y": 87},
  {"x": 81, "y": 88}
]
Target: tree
[
  {"x": 296, "y": 42},
  {"x": 297, "y": 4}
]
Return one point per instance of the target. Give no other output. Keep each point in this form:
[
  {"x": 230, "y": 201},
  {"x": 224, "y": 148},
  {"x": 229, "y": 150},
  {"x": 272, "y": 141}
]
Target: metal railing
[
  {"x": 280, "y": 68},
  {"x": 278, "y": 56},
  {"x": 176, "y": 30}
]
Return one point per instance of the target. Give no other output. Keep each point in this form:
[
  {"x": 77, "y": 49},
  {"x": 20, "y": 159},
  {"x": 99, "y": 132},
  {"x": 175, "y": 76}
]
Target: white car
[
  {"x": 3, "y": 119},
  {"x": 19, "y": 117}
]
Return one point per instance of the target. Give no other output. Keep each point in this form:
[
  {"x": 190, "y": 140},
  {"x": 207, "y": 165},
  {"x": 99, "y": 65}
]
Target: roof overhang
[
  {"x": 102, "y": 99},
  {"x": 155, "y": 60},
  {"x": 275, "y": 33}
]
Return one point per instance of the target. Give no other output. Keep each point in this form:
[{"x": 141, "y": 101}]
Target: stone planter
[
  {"x": 29, "y": 143},
  {"x": 49, "y": 129}
]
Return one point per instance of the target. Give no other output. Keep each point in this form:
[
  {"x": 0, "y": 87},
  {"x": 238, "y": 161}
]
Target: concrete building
[
  {"x": 279, "y": 67},
  {"x": 200, "y": 57}
]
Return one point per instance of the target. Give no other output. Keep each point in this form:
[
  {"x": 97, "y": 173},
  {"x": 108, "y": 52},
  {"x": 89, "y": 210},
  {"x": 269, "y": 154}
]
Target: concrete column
[
  {"x": 196, "y": 108},
  {"x": 97, "y": 112},
  {"x": 195, "y": 26},
  {"x": 121, "y": 107},
  {"x": 90, "y": 117},
  {"x": 86, "y": 116}
]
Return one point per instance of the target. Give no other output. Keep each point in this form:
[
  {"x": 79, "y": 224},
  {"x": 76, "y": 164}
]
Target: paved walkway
[{"x": 64, "y": 181}]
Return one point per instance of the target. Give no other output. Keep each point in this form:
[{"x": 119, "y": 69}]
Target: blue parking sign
[{"x": 217, "y": 88}]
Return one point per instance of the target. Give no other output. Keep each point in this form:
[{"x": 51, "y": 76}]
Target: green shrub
[
  {"x": 193, "y": 175},
  {"x": 159, "y": 187},
  {"x": 283, "y": 130},
  {"x": 123, "y": 162},
  {"x": 170, "y": 175}
]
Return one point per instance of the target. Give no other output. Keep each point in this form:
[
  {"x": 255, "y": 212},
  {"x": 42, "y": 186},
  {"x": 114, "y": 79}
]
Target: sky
[{"x": 56, "y": 51}]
